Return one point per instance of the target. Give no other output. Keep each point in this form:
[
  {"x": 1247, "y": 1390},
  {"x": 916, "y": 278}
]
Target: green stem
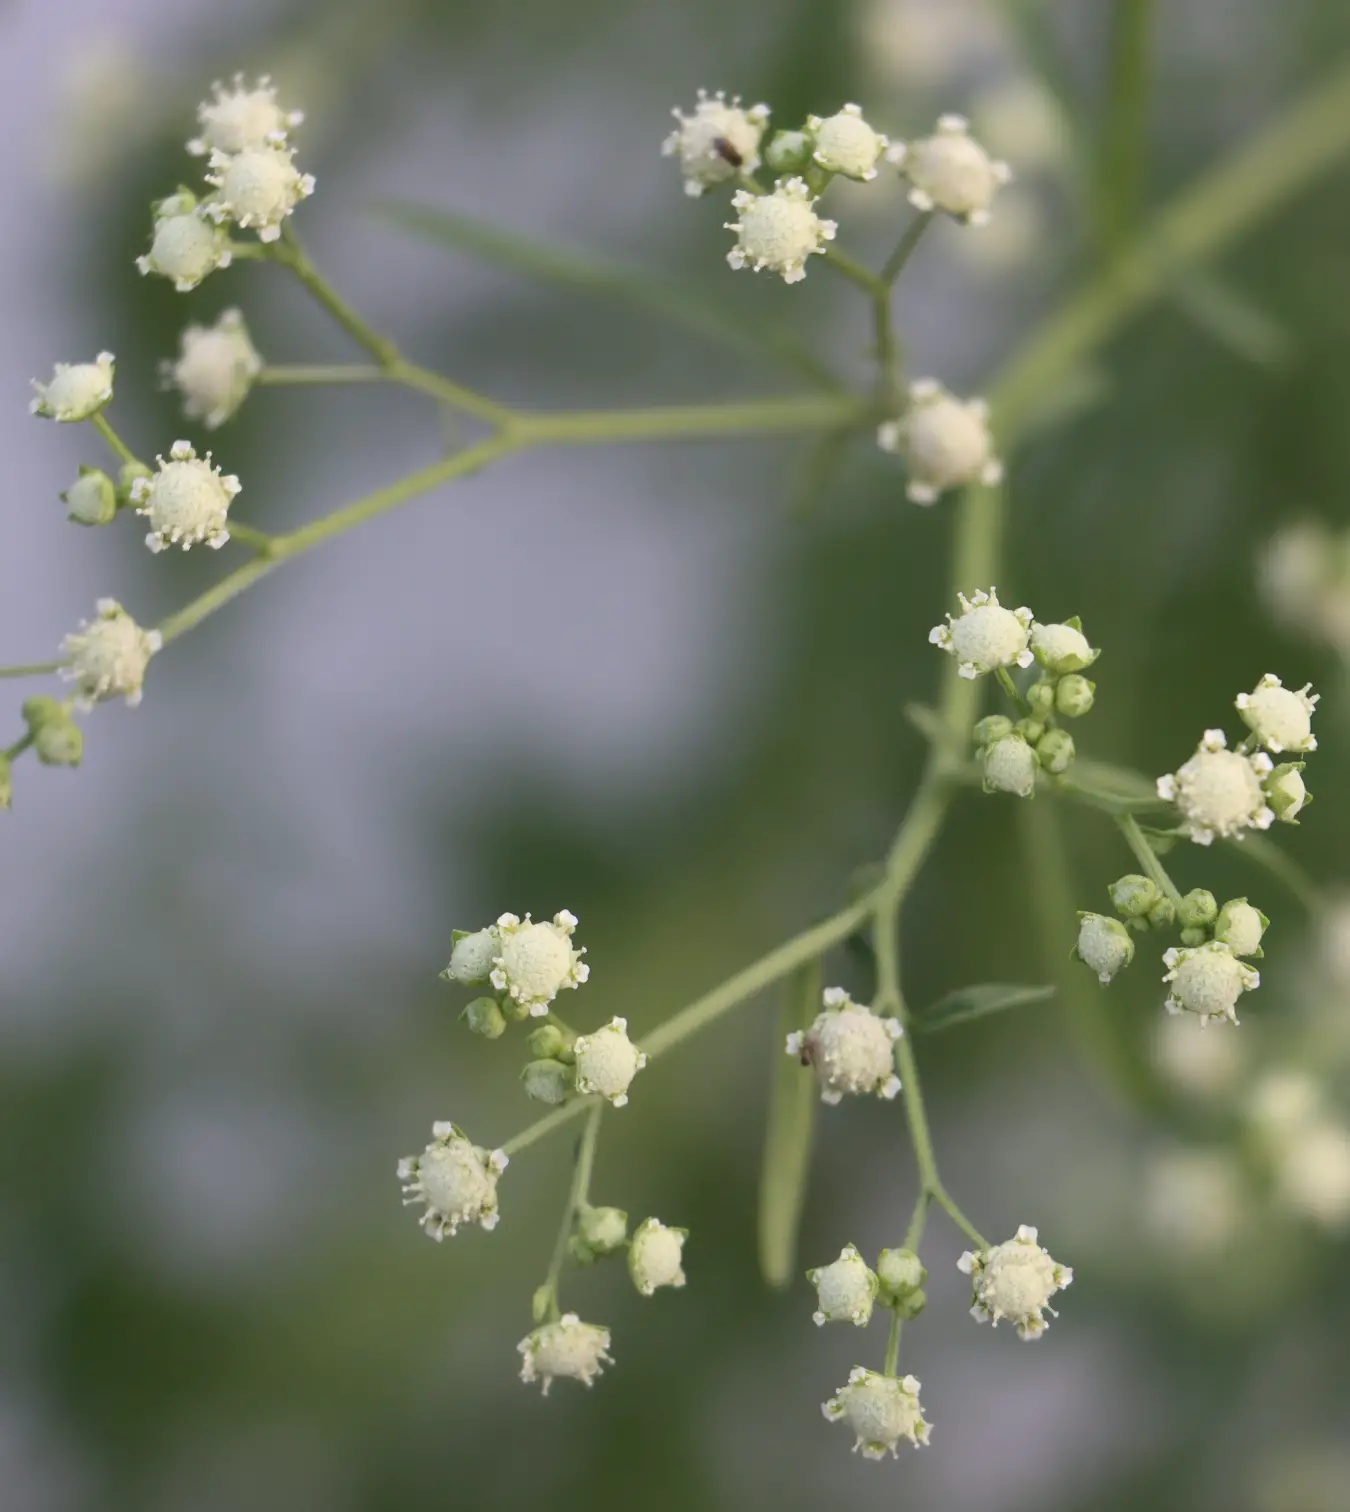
[
  {"x": 1010, "y": 688},
  {"x": 19, "y": 746},
  {"x": 916, "y": 1116},
  {"x": 894, "y": 265},
  {"x": 293, "y": 374},
  {"x": 256, "y": 540},
  {"x": 671, "y": 422},
  {"x": 853, "y": 270},
  {"x": 410, "y": 375},
  {"x": 1123, "y": 151},
  {"x": 33, "y": 669},
  {"x": 103, "y": 426},
  {"x": 1147, "y": 856},
  {"x": 290, "y": 254},
  {"x": 893, "y": 1346},
  {"x": 918, "y": 1221},
  {"x": 576, "y": 1197}
]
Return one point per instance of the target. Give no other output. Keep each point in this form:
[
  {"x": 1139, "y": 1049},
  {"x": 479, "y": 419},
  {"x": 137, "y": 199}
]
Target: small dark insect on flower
[{"x": 727, "y": 152}]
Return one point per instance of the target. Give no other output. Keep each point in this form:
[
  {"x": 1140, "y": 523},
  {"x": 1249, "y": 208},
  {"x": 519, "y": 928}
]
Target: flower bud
[
  {"x": 1285, "y": 792},
  {"x": 59, "y": 742},
  {"x": 1207, "y": 980},
  {"x": 607, "y": 1061},
  {"x": 912, "y": 1303},
  {"x": 1074, "y": 696},
  {"x": 1198, "y": 909},
  {"x": 599, "y": 1231},
  {"x": 1062, "y": 649},
  {"x": 1194, "y": 934},
  {"x": 551, "y": 1042},
  {"x": 1240, "y": 927},
  {"x": 1104, "y": 945},
  {"x": 77, "y": 391},
  {"x": 1030, "y": 730},
  {"x": 656, "y": 1255},
  {"x": 845, "y": 143},
  {"x": 91, "y": 498},
  {"x": 127, "y": 475},
  {"x": 1133, "y": 895},
  {"x": 471, "y": 957},
  {"x": 484, "y": 1016},
  {"x": 1055, "y": 751},
  {"x": 41, "y": 710},
  {"x": 788, "y": 151},
  {"x": 567, "y": 1348},
  {"x": 1010, "y": 767},
  {"x": 1040, "y": 697},
  {"x": 991, "y": 729},
  {"x": 900, "y": 1274},
  {"x": 846, "y": 1289},
  {"x": 1163, "y": 914},
  {"x": 547, "y": 1081}
]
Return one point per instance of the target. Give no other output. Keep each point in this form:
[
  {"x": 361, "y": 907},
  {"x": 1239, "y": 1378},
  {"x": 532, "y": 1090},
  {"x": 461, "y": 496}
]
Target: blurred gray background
[{"x": 635, "y": 683}]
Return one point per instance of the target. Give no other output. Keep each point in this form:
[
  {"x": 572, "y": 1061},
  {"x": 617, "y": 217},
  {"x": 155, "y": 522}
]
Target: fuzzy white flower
[
  {"x": 945, "y": 441},
  {"x": 569, "y": 1347},
  {"x": 215, "y": 369},
  {"x": 846, "y": 1289},
  {"x": 846, "y": 144},
  {"x": 108, "y": 656},
  {"x": 718, "y": 141},
  {"x": 472, "y": 957},
  {"x": 1015, "y": 1280},
  {"x": 985, "y": 635},
  {"x": 454, "y": 1179},
  {"x": 1280, "y": 719},
  {"x": 187, "y": 501},
  {"x": 1207, "y": 980},
  {"x": 536, "y": 961},
  {"x": 1062, "y": 649},
  {"x": 881, "y": 1410},
  {"x": 239, "y": 118},
  {"x": 1241, "y": 927},
  {"x": 1010, "y": 766},
  {"x": 607, "y": 1061},
  {"x": 1104, "y": 945},
  {"x": 185, "y": 246},
  {"x": 77, "y": 390},
  {"x": 950, "y": 171},
  {"x": 1219, "y": 791},
  {"x": 258, "y": 188},
  {"x": 851, "y": 1049},
  {"x": 778, "y": 231},
  {"x": 656, "y": 1256}
]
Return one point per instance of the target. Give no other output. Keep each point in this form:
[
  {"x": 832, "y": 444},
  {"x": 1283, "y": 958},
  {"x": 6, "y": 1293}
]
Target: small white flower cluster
[
  {"x": 1015, "y": 1281},
  {"x": 881, "y": 1410},
  {"x": 985, "y": 636},
  {"x": 945, "y": 442},
  {"x": 186, "y": 502},
  {"x": 108, "y": 656},
  {"x": 215, "y": 368},
  {"x": 567, "y": 1347},
  {"x": 850, "y": 1048},
  {"x": 454, "y": 1179},
  {"x": 77, "y": 390}
]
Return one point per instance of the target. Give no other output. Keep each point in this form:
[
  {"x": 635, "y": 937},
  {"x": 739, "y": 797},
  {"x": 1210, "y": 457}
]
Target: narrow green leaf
[
  {"x": 968, "y": 1003},
  {"x": 787, "y": 1138},
  {"x": 1221, "y": 309},
  {"x": 711, "y": 318}
]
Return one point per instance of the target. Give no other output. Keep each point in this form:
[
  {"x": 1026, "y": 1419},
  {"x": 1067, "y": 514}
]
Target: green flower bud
[
  {"x": 911, "y": 1305},
  {"x": 1285, "y": 792},
  {"x": 1193, "y": 935},
  {"x": 599, "y": 1231},
  {"x": 992, "y": 728},
  {"x": 1133, "y": 895},
  {"x": 1163, "y": 914},
  {"x": 6, "y": 783},
  {"x": 1055, "y": 751},
  {"x": 1010, "y": 767},
  {"x": 1104, "y": 945},
  {"x": 91, "y": 498},
  {"x": 59, "y": 742},
  {"x": 472, "y": 956},
  {"x": 40, "y": 710},
  {"x": 788, "y": 151},
  {"x": 1074, "y": 696},
  {"x": 551, "y": 1042},
  {"x": 1240, "y": 927},
  {"x": 1030, "y": 730},
  {"x": 1062, "y": 648},
  {"x": 547, "y": 1081},
  {"x": 900, "y": 1274},
  {"x": 1040, "y": 698},
  {"x": 1198, "y": 909},
  {"x": 484, "y": 1016}
]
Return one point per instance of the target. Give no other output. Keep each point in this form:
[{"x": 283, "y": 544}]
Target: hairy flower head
[
  {"x": 881, "y": 1410},
  {"x": 717, "y": 141},
  {"x": 1219, "y": 791},
  {"x": 850, "y": 1048},
  {"x": 778, "y": 231},
  {"x": 454, "y": 1179},
  {"x": 985, "y": 635},
  {"x": 109, "y": 655},
  {"x": 1015, "y": 1280}
]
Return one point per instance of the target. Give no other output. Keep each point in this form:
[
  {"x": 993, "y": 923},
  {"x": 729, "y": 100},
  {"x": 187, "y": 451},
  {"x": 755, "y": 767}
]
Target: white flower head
[
  {"x": 185, "y": 246},
  {"x": 1219, "y": 791},
  {"x": 215, "y": 369},
  {"x": 454, "y": 1179},
  {"x": 985, "y": 635},
  {"x": 778, "y": 231},
  {"x": 239, "y": 118},
  {"x": 607, "y": 1061},
  {"x": 850, "y": 1048},
  {"x": 537, "y": 961},
  {"x": 77, "y": 390},
  {"x": 257, "y": 188},
  {"x": 1015, "y": 1280},
  {"x": 187, "y": 502},
  {"x": 881, "y": 1410},
  {"x": 1241, "y": 927},
  {"x": 945, "y": 441},
  {"x": 656, "y": 1256},
  {"x": 846, "y": 1289},
  {"x": 718, "y": 141},
  {"x": 109, "y": 655},
  {"x": 1062, "y": 649},
  {"x": 950, "y": 171},
  {"x": 1207, "y": 980},
  {"x": 1280, "y": 719},
  {"x": 568, "y": 1348},
  {"x": 1010, "y": 766},
  {"x": 845, "y": 143},
  {"x": 472, "y": 957},
  {"x": 1104, "y": 945}
]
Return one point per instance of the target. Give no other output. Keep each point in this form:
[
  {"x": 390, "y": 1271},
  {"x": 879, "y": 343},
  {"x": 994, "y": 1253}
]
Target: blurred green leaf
[
  {"x": 978, "y": 1002},
  {"x": 710, "y": 318},
  {"x": 787, "y": 1139}
]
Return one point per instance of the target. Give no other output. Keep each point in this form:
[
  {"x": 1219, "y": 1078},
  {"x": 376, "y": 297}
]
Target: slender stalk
[
  {"x": 19, "y": 746},
  {"x": 576, "y": 1197},
  {"x": 256, "y": 540},
  {"x": 894, "y": 265},
  {"x": 918, "y": 1220},
  {"x": 295, "y": 374},
  {"x": 33, "y": 669},
  {"x": 291, "y": 254},
  {"x": 893, "y": 1346},
  {"x": 1010, "y": 688},
  {"x": 1123, "y": 148},
  {"x": 672, "y": 422},
  {"x": 103, "y": 426},
  {"x": 410, "y": 375},
  {"x": 853, "y": 270},
  {"x": 1147, "y": 856}
]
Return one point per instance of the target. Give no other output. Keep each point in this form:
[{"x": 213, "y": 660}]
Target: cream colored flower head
[
  {"x": 109, "y": 655},
  {"x": 185, "y": 246},
  {"x": 846, "y": 1289},
  {"x": 1279, "y": 718},
  {"x": 1015, "y": 1281},
  {"x": 845, "y": 143},
  {"x": 945, "y": 441},
  {"x": 454, "y": 1179},
  {"x": 950, "y": 171},
  {"x": 850, "y": 1048},
  {"x": 240, "y": 118},
  {"x": 257, "y": 188},
  {"x": 985, "y": 635},
  {"x": 76, "y": 391},
  {"x": 778, "y": 231},
  {"x": 881, "y": 1410},
  {"x": 215, "y": 369},
  {"x": 607, "y": 1061},
  {"x": 187, "y": 502},
  {"x": 1207, "y": 980},
  {"x": 1104, "y": 945},
  {"x": 568, "y": 1348},
  {"x": 656, "y": 1256},
  {"x": 717, "y": 142},
  {"x": 537, "y": 961},
  {"x": 1219, "y": 791}
]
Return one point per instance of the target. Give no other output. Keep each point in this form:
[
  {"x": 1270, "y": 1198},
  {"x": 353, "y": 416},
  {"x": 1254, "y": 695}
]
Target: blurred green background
[{"x": 639, "y": 683}]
